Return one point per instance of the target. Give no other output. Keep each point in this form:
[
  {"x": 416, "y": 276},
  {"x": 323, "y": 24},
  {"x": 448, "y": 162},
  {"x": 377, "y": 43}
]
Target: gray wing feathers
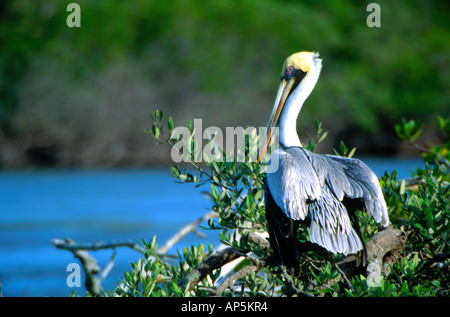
[
  {"x": 314, "y": 185},
  {"x": 294, "y": 183},
  {"x": 331, "y": 225},
  {"x": 364, "y": 184},
  {"x": 331, "y": 173},
  {"x": 351, "y": 178}
]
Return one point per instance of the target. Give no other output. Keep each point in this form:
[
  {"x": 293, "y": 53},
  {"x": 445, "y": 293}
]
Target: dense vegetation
[
  {"x": 419, "y": 206},
  {"x": 78, "y": 96}
]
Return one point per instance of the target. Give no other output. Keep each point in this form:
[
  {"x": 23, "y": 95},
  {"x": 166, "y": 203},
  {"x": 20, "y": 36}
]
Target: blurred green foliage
[{"x": 221, "y": 59}]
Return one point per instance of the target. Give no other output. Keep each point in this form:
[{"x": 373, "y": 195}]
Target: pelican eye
[{"x": 289, "y": 72}]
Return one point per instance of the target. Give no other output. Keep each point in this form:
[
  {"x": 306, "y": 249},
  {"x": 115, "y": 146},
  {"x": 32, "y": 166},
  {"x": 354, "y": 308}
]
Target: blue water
[{"x": 100, "y": 205}]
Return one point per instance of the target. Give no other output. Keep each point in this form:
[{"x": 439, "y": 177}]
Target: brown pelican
[{"x": 325, "y": 190}]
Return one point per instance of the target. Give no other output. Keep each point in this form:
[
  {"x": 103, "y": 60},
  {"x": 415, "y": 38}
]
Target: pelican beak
[{"x": 283, "y": 92}]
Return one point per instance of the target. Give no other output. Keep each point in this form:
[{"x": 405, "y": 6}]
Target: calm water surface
[{"x": 101, "y": 205}]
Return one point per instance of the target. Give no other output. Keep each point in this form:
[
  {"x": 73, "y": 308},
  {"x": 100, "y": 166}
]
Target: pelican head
[{"x": 298, "y": 77}]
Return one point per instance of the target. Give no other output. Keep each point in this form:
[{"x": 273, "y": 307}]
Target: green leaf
[
  {"x": 170, "y": 124},
  {"x": 408, "y": 130},
  {"x": 175, "y": 171},
  {"x": 148, "y": 132},
  {"x": 152, "y": 114},
  {"x": 155, "y": 131},
  {"x": 214, "y": 192},
  {"x": 343, "y": 148},
  {"x": 318, "y": 126},
  {"x": 402, "y": 187},
  {"x": 352, "y": 152},
  {"x": 444, "y": 125},
  {"x": 323, "y": 136}
]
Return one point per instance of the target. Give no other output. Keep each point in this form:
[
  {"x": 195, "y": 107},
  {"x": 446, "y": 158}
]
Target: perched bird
[{"x": 324, "y": 190}]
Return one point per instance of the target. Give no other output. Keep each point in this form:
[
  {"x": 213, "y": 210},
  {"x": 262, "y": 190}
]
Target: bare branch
[
  {"x": 93, "y": 272},
  {"x": 183, "y": 232},
  {"x": 108, "y": 267},
  {"x": 291, "y": 284},
  {"x": 344, "y": 276},
  {"x": 72, "y": 246},
  {"x": 439, "y": 158},
  {"x": 384, "y": 248}
]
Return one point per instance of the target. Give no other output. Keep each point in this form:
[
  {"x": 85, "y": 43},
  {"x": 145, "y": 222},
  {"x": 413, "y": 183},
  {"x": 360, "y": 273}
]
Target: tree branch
[
  {"x": 213, "y": 262},
  {"x": 382, "y": 251},
  {"x": 183, "y": 232},
  {"x": 231, "y": 280},
  {"x": 93, "y": 272},
  {"x": 72, "y": 246}
]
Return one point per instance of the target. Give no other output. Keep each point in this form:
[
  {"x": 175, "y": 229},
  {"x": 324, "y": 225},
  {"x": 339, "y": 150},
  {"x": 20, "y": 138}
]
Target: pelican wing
[
  {"x": 331, "y": 226},
  {"x": 324, "y": 188},
  {"x": 364, "y": 185},
  {"x": 350, "y": 178},
  {"x": 294, "y": 183},
  {"x": 344, "y": 181}
]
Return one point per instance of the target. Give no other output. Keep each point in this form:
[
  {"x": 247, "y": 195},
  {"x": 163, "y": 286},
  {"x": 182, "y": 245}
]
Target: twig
[
  {"x": 437, "y": 262},
  {"x": 344, "y": 276},
  {"x": 413, "y": 183},
  {"x": 108, "y": 266},
  {"x": 439, "y": 158},
  {"x": 183, "y": 232},
  {"x": 70, "y": 245},
  {"x": 231, "y": 280},
  {"x": 291, "y": 283}
]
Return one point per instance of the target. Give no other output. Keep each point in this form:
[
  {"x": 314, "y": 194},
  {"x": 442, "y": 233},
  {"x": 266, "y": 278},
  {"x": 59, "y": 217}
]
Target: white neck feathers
[{"x": 288, "y": 117}]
